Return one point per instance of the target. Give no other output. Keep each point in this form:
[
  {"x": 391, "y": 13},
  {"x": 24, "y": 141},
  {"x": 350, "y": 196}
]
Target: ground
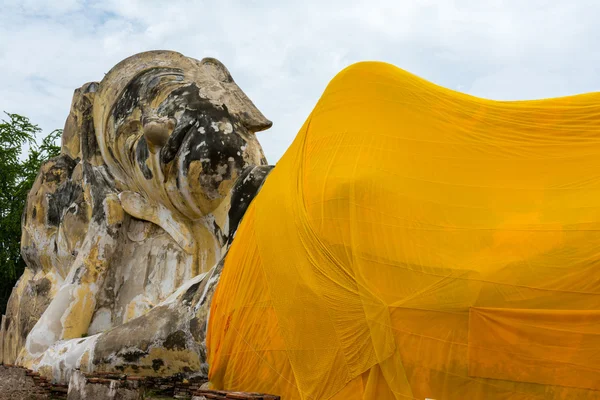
[{"x": 15, "y": 385}]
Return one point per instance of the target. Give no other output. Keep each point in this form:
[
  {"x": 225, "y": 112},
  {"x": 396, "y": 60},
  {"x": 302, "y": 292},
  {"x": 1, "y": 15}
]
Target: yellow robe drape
[{"x": 415, "y": 242}]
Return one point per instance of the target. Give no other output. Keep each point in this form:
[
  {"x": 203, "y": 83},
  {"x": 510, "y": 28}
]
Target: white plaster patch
[
  {"x": 183, "y": 288},
  {"x": 226, "y": 127},
  {"x": 102, "y": 321},
  {"x": 137, "y": 307},
  {"x": 213, "y": 278},
  {"x": 202, "y": 144},
  {"x": 66, "y": 356},
  {"x": 77, "y": 384}
]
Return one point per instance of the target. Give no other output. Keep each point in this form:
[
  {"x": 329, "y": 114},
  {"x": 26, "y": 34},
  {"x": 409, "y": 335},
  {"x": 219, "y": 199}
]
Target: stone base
[{"x": 17, "y": 383}]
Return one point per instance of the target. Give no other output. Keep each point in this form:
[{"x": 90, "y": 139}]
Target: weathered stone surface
[
  {"x": 15, "y": 384},
  {"x": 81, "y": 389},
  {"x": 124, "y": 233}
]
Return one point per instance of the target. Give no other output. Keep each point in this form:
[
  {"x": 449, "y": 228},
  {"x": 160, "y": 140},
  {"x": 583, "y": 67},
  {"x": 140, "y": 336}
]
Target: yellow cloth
[{"x": 415, "y": 242}]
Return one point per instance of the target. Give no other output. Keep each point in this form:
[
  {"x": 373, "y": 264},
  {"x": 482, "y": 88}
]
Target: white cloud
[{"x": 283, "y": 53}]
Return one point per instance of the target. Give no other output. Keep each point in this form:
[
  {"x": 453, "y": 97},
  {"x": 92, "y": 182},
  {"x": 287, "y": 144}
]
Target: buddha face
[{"x": 182, "y": 136}]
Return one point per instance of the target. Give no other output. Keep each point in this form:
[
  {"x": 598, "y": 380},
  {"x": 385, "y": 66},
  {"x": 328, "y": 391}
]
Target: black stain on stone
[
  {"x": 176, "y": 341},
  {"x": 129, "y": 99},
  {"x": 190, "y": 293},
  {"x": 221, "y": 236},
  {"x": 65, "y": 194},
  {"x": 60, "y": 169},
  {"x": 98, "y": 189},
  {"x": 157, "y": 363},
  {"x": 112, "y": 155},
  {"x": 132, "y": 355},
  {"x": 77, "y": 275},
  {"x": 89, "y": 144},
  {"x": 244, "y": 190},
  {"x": 171, "y": 148},
  {"x": 145, "y": 84},
  {"x": 142, "y": 154},
  {"x": 43, "y": 286},
  {"x": 197, "y": 328}
]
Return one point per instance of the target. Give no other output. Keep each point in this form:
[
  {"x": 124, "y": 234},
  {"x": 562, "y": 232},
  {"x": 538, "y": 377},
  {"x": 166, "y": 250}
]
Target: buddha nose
[
  {"x": 257, "y": 124},
  {"x": 238, "y": 104},
  {"x": 248, "y": 114}
]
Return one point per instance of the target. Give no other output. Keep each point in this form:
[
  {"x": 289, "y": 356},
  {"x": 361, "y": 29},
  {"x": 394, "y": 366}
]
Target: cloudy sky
[{"x": 283, "y": 53}]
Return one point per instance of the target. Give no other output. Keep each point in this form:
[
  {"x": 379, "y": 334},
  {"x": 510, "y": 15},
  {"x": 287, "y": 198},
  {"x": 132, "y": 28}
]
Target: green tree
[{"x": 17, "y": 174}]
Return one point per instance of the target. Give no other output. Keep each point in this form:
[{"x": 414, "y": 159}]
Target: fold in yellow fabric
[{"x": 415, "y": 242}]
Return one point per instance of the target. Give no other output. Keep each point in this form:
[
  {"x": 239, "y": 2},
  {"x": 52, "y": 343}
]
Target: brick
[
  {"x": 214, "y": 396},
  {"x": 241, "y": 396}
]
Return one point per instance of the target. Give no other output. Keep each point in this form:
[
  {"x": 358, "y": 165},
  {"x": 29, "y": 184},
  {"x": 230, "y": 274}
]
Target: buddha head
[{"x": 176, "y": 130}]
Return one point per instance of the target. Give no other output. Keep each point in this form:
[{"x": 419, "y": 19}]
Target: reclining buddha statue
[
  {"x": 124, "y": 231},
  {"x": 413, "y": 242}
]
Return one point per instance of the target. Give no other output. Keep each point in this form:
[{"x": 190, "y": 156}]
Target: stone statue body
[{"x": 125, "y": 231}]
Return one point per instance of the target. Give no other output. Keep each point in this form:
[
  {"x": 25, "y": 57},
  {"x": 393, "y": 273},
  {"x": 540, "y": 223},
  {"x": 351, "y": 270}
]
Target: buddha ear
[{"x": 140, "y": 207}]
